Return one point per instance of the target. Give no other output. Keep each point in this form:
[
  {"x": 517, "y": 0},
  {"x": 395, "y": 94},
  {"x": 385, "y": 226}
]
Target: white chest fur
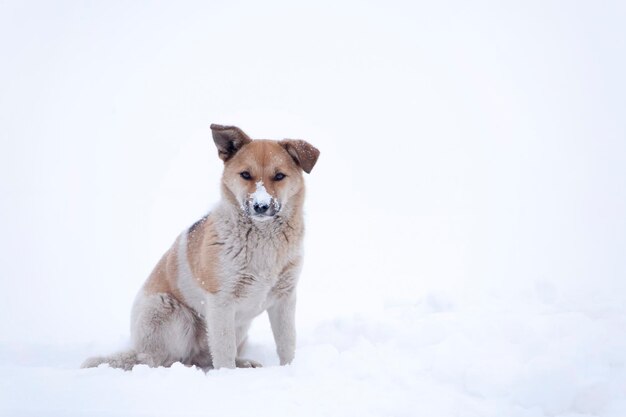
[{"x": 257, "y": 264}]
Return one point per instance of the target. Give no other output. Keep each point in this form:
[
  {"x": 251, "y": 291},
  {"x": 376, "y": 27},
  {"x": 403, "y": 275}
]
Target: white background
[{"x": 469, "y": 151}]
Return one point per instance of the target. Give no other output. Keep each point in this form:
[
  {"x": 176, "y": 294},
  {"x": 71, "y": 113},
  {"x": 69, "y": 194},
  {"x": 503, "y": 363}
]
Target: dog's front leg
[
  {"x": 283, "y": 320},
  {"x": 220, "y": 317}
]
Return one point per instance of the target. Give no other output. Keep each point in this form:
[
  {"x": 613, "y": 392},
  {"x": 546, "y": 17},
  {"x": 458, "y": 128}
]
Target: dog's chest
[{"x": 256, "y": 262}]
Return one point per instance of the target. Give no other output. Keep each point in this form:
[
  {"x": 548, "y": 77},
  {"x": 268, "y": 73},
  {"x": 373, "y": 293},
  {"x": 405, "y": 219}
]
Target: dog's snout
[
  {"x": 260, "y": 208},
  {"x": 260, "y": 204}
]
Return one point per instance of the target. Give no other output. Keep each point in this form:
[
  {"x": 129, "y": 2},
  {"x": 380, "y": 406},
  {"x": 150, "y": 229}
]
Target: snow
[
  {"x": 465, "y": 228},
  {"x": 260, "y": 196},
  {"x": 528, "y": 359}
]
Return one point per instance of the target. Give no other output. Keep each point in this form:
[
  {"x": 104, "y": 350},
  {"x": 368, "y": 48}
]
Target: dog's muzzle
[
  {"x": 262, "y": 210},
  {"x": 260, "y": 205}
]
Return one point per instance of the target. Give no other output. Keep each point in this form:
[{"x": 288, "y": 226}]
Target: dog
[{"x": 241, "y": 259}]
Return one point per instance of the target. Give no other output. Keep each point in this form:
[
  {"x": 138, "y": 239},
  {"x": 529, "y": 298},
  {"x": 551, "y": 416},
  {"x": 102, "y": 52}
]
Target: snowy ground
[
  {"x": 433, "y": 357},
  {"x": 466, "y": 236}
]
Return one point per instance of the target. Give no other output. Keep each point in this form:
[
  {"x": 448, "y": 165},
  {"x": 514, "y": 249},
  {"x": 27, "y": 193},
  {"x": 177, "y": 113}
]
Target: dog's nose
[{"x": 260, "y": 208}]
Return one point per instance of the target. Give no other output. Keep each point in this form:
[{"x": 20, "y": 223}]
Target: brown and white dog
[{"x": 241, "y": 259}]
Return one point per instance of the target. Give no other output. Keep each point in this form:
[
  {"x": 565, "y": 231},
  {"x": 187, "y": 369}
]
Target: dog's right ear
[{"x": 228, "y": 139}]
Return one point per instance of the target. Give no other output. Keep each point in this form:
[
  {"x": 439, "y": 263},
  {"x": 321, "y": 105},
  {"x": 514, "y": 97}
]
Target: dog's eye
[
  {"x": 279, "y": 176},
  {"x": 246, "y": 175}
]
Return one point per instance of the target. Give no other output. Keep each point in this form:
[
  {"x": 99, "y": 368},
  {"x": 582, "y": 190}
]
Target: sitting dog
[{"x": 241, "y": 259}]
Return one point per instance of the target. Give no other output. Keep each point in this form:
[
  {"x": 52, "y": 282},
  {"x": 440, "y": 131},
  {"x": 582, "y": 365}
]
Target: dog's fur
[{"x": 230, "y": 266}]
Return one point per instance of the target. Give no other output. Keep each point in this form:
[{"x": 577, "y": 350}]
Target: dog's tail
[{"x": 124, "y": 360}]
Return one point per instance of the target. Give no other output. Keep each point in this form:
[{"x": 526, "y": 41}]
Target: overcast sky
[{"x": 464, "y": 146}]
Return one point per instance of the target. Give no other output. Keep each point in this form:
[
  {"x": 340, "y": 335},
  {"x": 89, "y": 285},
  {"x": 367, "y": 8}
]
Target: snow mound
[{"x": 477, "y": 359}]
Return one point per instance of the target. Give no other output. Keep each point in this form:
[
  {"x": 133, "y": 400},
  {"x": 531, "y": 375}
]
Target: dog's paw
[{"x": 247, "y": 363}]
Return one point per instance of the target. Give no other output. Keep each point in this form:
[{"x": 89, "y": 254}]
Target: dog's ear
[
  {"x": 302, "y": 152},
  {"x": 228, "y": 139}
]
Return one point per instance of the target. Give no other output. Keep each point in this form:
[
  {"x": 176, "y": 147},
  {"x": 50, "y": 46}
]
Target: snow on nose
[{"x": 261, "y": 197}]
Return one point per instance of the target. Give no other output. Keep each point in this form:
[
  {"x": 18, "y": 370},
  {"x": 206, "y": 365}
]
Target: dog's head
[{"x": 263, "y": 177}]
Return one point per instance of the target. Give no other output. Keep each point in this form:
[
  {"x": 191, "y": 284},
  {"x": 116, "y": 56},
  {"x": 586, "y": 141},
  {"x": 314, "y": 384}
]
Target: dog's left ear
[
  {"x": 302, "y": 152},
  {"x": 228, "y": 139}
]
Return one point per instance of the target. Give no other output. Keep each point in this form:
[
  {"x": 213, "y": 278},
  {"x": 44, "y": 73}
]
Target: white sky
[{"x": 464, "y": 146}]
